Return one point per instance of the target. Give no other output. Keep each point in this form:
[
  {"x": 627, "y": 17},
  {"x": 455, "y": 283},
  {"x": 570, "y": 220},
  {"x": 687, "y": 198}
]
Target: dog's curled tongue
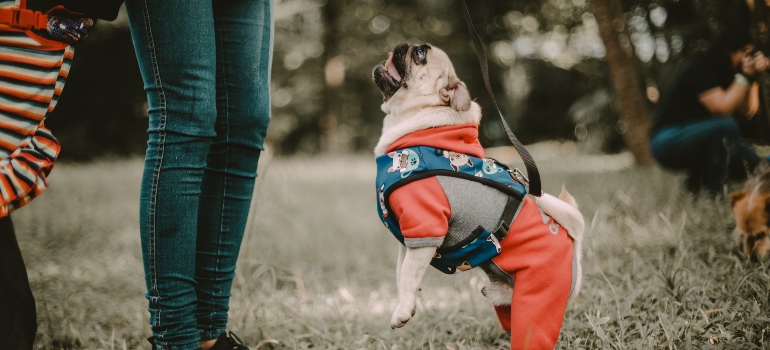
[{"x": 391, "y": 68}]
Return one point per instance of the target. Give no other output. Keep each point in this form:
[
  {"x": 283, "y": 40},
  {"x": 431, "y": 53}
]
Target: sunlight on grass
[{"x": 662, "y": 270}]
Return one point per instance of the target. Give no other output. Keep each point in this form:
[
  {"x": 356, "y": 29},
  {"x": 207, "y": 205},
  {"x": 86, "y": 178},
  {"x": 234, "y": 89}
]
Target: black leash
[{"x": 534, "y": 175}]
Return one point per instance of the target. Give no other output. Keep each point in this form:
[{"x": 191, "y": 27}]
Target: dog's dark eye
[{"x": 419, "y": 54}]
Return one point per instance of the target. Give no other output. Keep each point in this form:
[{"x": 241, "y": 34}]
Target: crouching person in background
[
  {"x": 35, "y": 56},
  {"x": 694, "y": 129}
]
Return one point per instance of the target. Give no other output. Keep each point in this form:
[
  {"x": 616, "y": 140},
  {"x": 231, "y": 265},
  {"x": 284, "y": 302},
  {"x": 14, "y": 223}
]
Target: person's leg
[
  {"x": 176, "y": 51},
  {"x": 717, "y": 157},
  {"x": 244, "y": 46},
  {"x": 698, "y": 145},
  {"x": 18, "y": 318},
  {"x": 670, "y": 152},
  {"x": 730, "y": 158},
  {"x": 743, "y": 160},
  {"x": 694, "y": 181}
]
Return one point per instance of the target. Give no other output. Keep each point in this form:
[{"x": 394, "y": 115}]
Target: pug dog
[{"x": 426, "y": 104}]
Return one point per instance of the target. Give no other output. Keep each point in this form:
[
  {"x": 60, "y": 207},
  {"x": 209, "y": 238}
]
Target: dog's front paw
[{"x": 401, "y": 316}]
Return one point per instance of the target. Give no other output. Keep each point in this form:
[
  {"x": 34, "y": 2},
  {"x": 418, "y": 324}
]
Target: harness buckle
[{"x": 27, "y": 19}]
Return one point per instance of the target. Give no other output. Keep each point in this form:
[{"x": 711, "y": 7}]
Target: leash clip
[{"x": 519, "y": 176}]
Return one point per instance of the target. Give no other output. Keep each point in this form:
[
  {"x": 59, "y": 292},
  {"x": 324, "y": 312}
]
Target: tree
[
  {"x": 334, "y": 75},
  {"x": 626, "y": 83},
  {"x": 759, "y": 24}
]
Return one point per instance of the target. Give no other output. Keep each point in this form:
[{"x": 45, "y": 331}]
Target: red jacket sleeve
[
  {"x": 423, "y": 212},
  {"x": 24, "y": 173}
]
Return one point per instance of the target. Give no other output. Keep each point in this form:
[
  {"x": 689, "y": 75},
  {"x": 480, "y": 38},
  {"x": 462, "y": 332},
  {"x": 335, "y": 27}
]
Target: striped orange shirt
[{"x": 33, "y": 71}]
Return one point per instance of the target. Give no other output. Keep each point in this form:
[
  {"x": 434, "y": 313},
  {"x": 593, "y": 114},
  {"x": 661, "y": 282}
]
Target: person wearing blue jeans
[
  {"x": 206, "y": 70},
  {"x": 711, "y": 151},
  {"x": 693, "y": 129}
]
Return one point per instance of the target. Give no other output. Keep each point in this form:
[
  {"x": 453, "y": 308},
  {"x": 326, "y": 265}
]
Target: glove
[{"x": 71, "y": 30}]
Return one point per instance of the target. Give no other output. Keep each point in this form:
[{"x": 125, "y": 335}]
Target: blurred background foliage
[{"x": 546, "y": 66}]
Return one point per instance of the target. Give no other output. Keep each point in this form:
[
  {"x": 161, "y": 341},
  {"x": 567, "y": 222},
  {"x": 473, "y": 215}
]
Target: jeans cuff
[{"x": 208, "y": 334}]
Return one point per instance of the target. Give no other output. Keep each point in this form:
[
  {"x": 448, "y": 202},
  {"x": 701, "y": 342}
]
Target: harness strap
[
  {"x": 509, "y": 213},
  {"x": 506, "y": 219},
  {"x": 23, "y": 18},
  {"x": 534, "y": 175}
]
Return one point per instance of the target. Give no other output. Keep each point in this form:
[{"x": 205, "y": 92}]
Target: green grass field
[{"x": 661, "y": 270}]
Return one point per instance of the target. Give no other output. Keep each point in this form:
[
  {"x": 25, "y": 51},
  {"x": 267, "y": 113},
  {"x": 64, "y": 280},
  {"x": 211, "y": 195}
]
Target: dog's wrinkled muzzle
[{"x": 389, "y": 75}]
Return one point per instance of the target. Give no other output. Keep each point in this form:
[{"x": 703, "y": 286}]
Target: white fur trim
[{"x": 396, "y": 126}]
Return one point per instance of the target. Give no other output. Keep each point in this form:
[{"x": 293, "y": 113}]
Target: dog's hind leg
[
  {"x": 498, "y": 291},
  {"x": 18, "y": 323}
]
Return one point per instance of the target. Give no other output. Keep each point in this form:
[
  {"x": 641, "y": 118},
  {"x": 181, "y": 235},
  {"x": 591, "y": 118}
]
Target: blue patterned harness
[{"x": 410, "y": 164}]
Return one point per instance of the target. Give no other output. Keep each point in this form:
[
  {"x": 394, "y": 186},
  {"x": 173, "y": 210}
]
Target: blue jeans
[
  {"x": 710, "y": 150},
  {"x": 206, "y": 69}
]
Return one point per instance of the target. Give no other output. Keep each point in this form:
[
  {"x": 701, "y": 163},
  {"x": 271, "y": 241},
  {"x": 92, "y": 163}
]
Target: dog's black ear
[
  {"x": 456, "y": 93},
  {"x": 736, "y": 196}
]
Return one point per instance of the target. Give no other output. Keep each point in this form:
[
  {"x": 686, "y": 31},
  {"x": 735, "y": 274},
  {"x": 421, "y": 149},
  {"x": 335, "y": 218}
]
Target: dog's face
[
  {"x": 752, "y": 212},
  {"x": 421, "y": 75}
]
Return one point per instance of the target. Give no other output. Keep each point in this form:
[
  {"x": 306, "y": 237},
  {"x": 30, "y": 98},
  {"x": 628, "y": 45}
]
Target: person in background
[
  {"x": 206, "y": 70},
  {"x": 694, "y": 129},
  {"x": 36, "y": 53}
]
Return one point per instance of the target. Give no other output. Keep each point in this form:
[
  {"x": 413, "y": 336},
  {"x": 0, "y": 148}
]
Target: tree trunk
[
  {"x": 626, "y": 83},
  {"x": 330, "y": 121},
  {"x": 759, "y": 19}
]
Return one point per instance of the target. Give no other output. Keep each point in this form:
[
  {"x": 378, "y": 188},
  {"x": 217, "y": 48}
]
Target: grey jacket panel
[
  {"x": 423, "y": 242},
  {"x": 473, "y": 204}
]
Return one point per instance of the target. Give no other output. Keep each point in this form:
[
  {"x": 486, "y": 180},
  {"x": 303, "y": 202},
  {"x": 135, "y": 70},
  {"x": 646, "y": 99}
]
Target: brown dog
[{"x": 751, "y": 209}]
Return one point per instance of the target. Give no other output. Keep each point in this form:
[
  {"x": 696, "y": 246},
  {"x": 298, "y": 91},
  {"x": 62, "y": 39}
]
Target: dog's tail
[
  {"x": 567, "y": 198},
  {"x": 564, "y": 211}
]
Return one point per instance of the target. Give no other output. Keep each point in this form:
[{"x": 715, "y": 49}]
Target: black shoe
[
  {"x": 150, "y": 339},
  {"x": 229, "y": 341}
]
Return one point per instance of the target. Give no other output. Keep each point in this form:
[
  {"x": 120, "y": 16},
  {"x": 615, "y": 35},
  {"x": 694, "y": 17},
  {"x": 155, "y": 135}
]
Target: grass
[{"x": 316, "y": 270}]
